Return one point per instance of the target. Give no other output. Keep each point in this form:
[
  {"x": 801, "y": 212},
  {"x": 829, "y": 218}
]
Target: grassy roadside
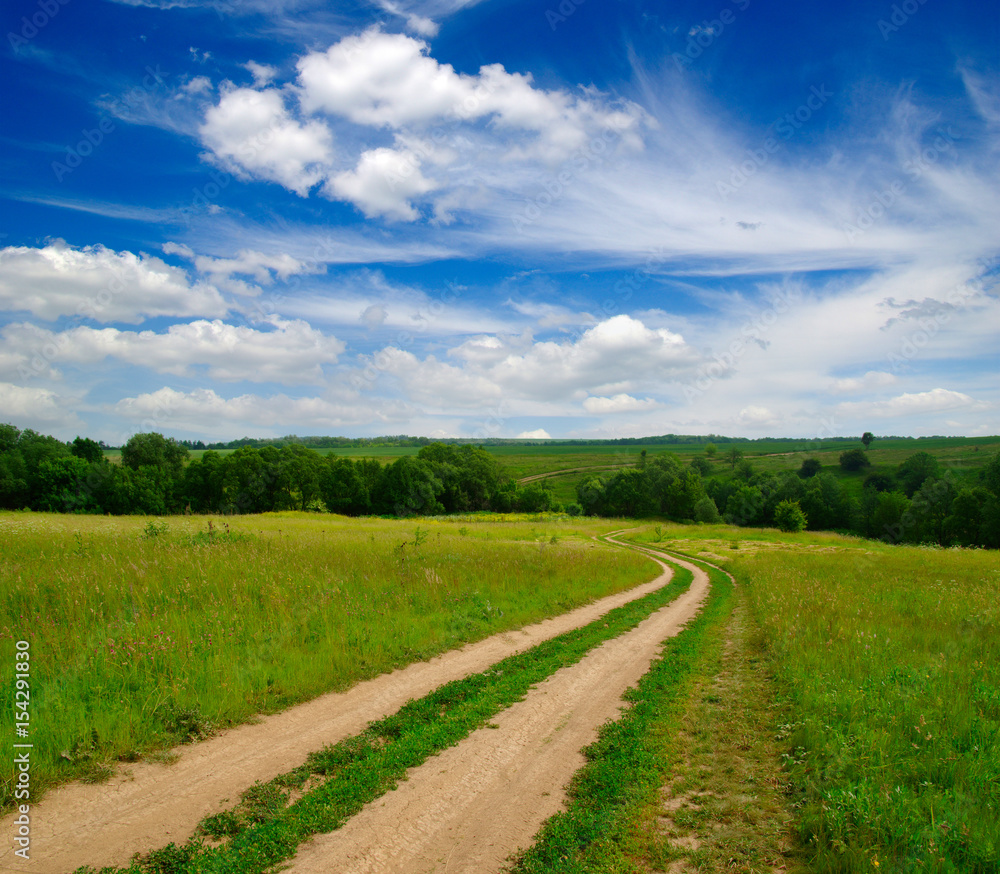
[
  {"x": 146, "y": 633},
  {"x": 264, "y": 829},
  {"x": 890, "y": 656}
]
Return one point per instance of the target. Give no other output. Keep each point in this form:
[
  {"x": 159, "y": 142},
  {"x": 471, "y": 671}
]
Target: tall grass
[
  {"x": 891, "y": 659},
  {"x": 146, "y": 633}
]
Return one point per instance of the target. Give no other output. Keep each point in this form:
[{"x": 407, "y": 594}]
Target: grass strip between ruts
[
  {"x": 625, "y": 766},
  {"x": 361, "y": 768}
]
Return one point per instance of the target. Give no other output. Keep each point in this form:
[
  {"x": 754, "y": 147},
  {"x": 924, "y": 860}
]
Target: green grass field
[
  {"x": 889, "y": 658},
  {"x": 146, "y": 632},
  {"x": 867, "y": 724}
]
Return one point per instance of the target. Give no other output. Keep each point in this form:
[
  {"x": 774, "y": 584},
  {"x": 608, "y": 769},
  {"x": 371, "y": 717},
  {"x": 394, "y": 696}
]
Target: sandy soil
[
  {"x": 468, "y": 809},
  {"x": 147, "y": 806}
]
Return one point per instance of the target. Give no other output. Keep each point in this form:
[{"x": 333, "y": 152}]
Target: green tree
[
  {"x": 532, "y": 498},
  {"x": 711, "y": 450},
  {"x": 629, "y": 493},
  {"x": 854, "y": 460},
  {"x": 867, "y": 438},
  {"x": 913, "y": 472},
  {"x": 745, "y": 506},
  {"x": 825, "y": 504},
  {"x": 810, "y": 467},
  {"x": 14, "y": 492},
  {"x": 880, "y": 482},
  {"x": 302, "y": 467},
  {"x": 9, "y": 436},
  {"x": 203, "y": 484},
  {"x": 734, "y": 455},
  {"x": 87, "y": 449},
  {"x": 889, "y": 515},
  {"x": 964, "y": 525},
  {"x": 929, "y": 509},
  {"x": 590, "y": 495},
  {"x": 408, "y": 487},
  {"x": 991, "y": 475},
  {"x": 154, "y": 450},
  {"x": 706, "y": 511},
  {"x": 702, "y": 465},
  {"x": 788, "y": 516},
  {"x": 343, "y": 488}
]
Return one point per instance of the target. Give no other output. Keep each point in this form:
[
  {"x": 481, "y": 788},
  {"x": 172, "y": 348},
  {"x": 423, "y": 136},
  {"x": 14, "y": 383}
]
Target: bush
[
  {"x": 854, "y": 459},
  {"x": 788, "y": 516},
  {"x": 881, "y": 482},
  {"x": 706, "y": 511},
  {"x": 810, "y": 467}
]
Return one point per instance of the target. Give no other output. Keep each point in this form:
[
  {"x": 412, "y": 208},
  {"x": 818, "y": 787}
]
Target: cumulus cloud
[
  {"x": 205, "y": 411},
  {"x": 754, "y": 416},
  {"x": 537, "y": 434},
  {"x": 382, "y": 184},
  {"x": 873, "y": 379},
  {"x": 621, "y": 403},
  {"x": 389, "y": 80},
  {"x": 99, "y": 283},
  {"x": 33, "y": 407},
  {"x": 611, "y": 358},
  {"x": 911, "y": 404},
  {"x": 293, "y": 353},
  {"x": 251, "y": 131}
]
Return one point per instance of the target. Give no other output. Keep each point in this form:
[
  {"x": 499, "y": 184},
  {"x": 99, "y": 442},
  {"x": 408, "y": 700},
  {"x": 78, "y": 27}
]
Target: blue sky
[{"x": 448, "y": 218}]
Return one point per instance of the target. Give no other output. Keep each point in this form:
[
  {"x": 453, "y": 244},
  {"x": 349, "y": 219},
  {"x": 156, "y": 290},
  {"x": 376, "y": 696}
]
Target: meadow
[
  {"x": 147, "y": 632},
  {"x": 870, "y": 723},
  {"x": 888, "y": 659}
]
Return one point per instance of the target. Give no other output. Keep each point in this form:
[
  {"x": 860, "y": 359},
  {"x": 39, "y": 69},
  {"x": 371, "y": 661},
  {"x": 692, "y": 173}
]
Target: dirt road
[
  {"x": 470, "y": 808},
  {"x": 148, "y": 806}
]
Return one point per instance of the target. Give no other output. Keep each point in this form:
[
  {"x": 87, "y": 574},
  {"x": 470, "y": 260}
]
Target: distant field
[
  {"x": 562, "y": 466},
  {"x": 958, "y": 454}
]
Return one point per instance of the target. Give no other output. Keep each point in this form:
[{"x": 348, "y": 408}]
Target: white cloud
[
  {"x": 32, "y": 407},
  {"x": 382, "y": 184},
  {"x": 936, "y": 400},
  {"x": 621, "y": 403},
  {"x": 537, "y": 434},
  {"x": 389, "y": 80},
  {"x": 206, "y": 412},
  {"x": 262, "y": 73},
  {"x": 293, "y": 353},
  {"x": 198, "y": 85},
  {"x": 99, "y": 283},
  {"x": 873, "y": 379},
  {"x": 252, "y": 131},
  {"x": 611, "y": 358},
  {"x": 756, "y": 417},
  {"x": 418, "y": 24}
]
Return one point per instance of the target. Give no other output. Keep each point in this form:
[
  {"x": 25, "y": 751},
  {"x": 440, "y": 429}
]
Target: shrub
[
  {"x": 788, "y": 516},
  {"x": 706, "y": 511},
  {"x": 810, "y": 467},
  {"x": 854, "y": 459}
]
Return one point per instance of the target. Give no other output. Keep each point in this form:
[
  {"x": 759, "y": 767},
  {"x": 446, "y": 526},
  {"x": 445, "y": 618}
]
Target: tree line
[
  {"x": 157, "y": 477},
  {"x": 916, "y": 502}
]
